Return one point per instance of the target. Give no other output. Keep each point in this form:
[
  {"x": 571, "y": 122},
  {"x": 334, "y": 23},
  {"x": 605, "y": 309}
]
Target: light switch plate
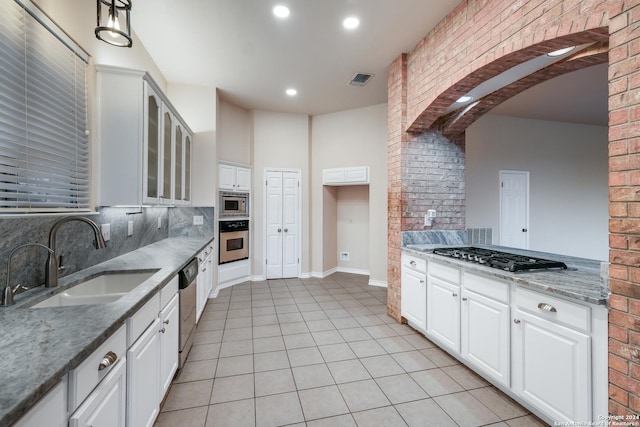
[
  {"x": 198, "y": 220},
  {"x": 130, "y": 228},
  {"x": 159, "y": 222}
]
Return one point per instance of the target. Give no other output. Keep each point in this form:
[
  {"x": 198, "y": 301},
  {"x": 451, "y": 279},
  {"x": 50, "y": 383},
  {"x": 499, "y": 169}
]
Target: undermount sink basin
[{"x": 103, "y": 289}]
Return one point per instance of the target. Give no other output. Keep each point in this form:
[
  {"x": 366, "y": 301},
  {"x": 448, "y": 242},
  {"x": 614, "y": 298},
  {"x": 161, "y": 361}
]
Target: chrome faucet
[
  {"x": 9, "y": 291},
  {"x": 52, "y": 267}
]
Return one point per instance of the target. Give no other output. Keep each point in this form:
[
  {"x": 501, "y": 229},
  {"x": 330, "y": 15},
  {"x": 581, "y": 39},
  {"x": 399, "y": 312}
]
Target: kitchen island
[
  {"x": 540, "y": 335},
  {"x": 41, "y": 345}
]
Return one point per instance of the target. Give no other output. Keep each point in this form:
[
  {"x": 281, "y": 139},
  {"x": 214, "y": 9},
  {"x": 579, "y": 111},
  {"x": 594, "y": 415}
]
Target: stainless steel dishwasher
[{"x": 188, "y": 277}]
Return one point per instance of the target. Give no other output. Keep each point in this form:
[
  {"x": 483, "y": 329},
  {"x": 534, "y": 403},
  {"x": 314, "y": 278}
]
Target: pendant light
[{"x": 114, "y": 22}]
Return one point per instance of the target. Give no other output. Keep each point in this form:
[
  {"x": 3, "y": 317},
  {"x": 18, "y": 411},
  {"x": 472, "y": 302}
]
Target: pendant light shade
[{"x": 114, "y": 22}]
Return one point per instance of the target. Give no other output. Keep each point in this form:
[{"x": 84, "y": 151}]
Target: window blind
[{"x": 44, "y": 147}]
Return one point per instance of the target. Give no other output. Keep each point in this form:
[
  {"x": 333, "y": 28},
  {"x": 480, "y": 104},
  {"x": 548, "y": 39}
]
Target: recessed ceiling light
[
  {"x": 291, "y": 92},
  {"x": 561, "y": 52},
  {"x": 351, "y": 23},
  {"x": 281, "y": 11},
  {"x": 463, "y": 99}
]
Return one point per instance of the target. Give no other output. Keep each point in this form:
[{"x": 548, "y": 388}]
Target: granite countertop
[
  {"x": 39, "y": 346},
  {"x": 581, "y": 281}
]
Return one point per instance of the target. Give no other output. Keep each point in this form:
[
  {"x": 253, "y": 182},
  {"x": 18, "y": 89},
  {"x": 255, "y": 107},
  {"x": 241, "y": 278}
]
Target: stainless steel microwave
[{"x": 234, "y": 204}]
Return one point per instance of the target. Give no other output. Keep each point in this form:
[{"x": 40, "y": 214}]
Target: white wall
[
  {"x": 352, "y": 138},
  {"x": 234, "y": 134},
  {"x": 353, "y": 227},
  {"x": 279, "y": 140},
  {"x": 568, "y": 165}
]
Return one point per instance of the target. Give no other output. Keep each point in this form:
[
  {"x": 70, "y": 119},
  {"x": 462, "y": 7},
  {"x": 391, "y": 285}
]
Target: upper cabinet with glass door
[{"x": 145, "y": 146}]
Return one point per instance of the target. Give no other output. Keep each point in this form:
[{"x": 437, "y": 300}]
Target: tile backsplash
[{"x": 75, "y": 239}]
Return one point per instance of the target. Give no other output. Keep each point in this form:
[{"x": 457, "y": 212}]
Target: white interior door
[
  {"x": 282, "y": 219},
  {"x": 514, "y": 209}
]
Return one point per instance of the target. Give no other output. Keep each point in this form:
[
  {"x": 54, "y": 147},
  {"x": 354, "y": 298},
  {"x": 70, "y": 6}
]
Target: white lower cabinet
[
  {"x": 552, "y": 367},
  {"x": 485, "y": 335},
  {"x": 169, "y": 342},
  {"x": 443, "y": 312},
  {"x": 204, "y": 283},
  {"x": 413, "y": 298},
  {"x": 143, "y": 368},
  {"x": 106, "y": 405},
  {"x": 51, "y": 410}
]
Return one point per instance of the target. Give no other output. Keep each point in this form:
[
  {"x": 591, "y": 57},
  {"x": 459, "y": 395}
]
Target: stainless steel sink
[{"x": 102, "y": 289}]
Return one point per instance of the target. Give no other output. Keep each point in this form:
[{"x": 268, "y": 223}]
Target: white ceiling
[{"x": 241, "y": 48}]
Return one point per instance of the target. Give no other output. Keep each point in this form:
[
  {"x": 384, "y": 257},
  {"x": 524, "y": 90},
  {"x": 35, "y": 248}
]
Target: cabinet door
[
  {"x": 443, "y": 312},
  {"x": 552, "y": 367},
  {"x": 485, "y": 335},
  {"x": 143, "y": 379},
  {"x": 178, "y": 162},
  {"x": 413, "y": 298},
  {"x": 152, "y": 144},
  {"x": 169, "y": 342},
  {"x": 168, "y": 134},
  {"x": 187, "y": 169},
  {"x": 226, "y": 177},
  {"x": 243, "y": 179},
  {"x": 50, "y": 411},
  {"x": 106, "y": 405}
]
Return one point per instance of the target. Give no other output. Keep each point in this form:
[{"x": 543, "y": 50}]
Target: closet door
[{"x": 282, "y": 204}]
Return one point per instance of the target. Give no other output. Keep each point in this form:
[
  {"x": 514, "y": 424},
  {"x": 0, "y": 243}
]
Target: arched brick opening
[{"x": 478, "y": 40}]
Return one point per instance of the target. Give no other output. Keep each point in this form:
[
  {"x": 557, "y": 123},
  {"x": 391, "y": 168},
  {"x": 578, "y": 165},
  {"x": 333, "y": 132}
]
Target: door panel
[{"x": 514, "y": 209}]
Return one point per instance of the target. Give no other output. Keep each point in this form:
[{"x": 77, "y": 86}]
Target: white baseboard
[
  {"x": 378, "y": 283},
  {"x": 258, "y": 278},
  {"x": 353, "y": 271}
]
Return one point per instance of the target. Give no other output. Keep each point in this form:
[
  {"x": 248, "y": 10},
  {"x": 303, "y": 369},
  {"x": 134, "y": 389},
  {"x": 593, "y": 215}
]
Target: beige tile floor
[{"x": 323, "y": 352}]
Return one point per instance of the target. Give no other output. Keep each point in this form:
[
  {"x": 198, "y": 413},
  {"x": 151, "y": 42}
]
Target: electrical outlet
[
  {"x": 198, "y": 220},
  {"x": 106, "y": 231},
  {"x": 130, "y": 228},
  {"x": 159, "y": 222},
  {"x": 344, "y": 256}
]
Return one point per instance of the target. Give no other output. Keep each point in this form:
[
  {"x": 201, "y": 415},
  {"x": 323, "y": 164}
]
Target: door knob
[
  {"x": 286, "y": 230},
  {"x": 279, "y": 230}
]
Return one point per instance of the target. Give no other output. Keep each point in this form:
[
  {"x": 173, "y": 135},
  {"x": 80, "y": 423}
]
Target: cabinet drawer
[
  {"x": 169, "y": 290},
  {"x": 554, "y": 309},
  {"x": 488, "y": 287},
  {"x": 445, "y": 272},
  {"x": 414, "y": 263},
  {"x": 84, "y": 378},
  {"x": 137, "y": 323}
]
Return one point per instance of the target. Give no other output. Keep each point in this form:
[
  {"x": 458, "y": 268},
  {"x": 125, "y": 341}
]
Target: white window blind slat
[{"x": 44, "y": 149}]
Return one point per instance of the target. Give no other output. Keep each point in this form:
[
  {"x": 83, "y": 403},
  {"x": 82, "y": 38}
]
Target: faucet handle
[{"x": 9, "y": 292}]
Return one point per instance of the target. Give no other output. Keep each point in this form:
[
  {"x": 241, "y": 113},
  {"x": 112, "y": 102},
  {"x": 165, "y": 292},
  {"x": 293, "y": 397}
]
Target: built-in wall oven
[
  {"x": 234, "y": 240},
  {"x": 234, "y": 204}
]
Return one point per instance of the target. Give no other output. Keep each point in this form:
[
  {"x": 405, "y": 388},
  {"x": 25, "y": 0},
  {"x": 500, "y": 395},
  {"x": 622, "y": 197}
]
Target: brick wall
[
  {"x": 624, "y": 209},
  {"x": 477, "y": 41}
]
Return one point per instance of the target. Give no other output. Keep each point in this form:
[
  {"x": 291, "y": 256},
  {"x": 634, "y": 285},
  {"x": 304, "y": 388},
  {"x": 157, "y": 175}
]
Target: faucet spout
[
  {"x": 51, "y": 272},
  {"x": 9, "y": 291}
]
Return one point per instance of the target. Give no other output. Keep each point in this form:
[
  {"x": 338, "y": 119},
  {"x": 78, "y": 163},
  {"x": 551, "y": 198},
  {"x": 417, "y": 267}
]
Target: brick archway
[{"x": 462, "y": 50}]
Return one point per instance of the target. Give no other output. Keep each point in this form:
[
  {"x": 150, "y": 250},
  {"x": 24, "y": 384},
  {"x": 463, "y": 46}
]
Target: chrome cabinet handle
[
  {"x": 547, "y": 307},
  {"x": 166, "y": 322},
  {"x": 454, "y": 294},
  {"x": 108, "y": 360},
  {"x": 421, "y": 281},
  {"x": 162, "y": 330},
  {"x": 412, "y": 263},
  {"x": 516, "y": 321},
  {"x": 465, "y": 298}
]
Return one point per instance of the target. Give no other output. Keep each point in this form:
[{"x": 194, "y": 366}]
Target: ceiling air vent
[{"x": 360, "y": 79}]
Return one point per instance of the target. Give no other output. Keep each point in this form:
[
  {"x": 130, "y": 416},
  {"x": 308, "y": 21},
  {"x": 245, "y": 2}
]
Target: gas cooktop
[{"x": 497, "y": 259}]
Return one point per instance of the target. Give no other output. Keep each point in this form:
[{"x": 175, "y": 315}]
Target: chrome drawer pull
[
  {"x": 516, "y": 321},
  {"x": 547, "y": 307},
  {"x": 454, "y": 294},
  {"x": 412, "y": 263},
  {"x": 166, "y": 322},
  {"x": 108, "y": 360}
]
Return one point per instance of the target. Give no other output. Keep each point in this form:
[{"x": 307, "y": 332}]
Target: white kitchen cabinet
[
  {"x": 140, "y": 161},
  {"x": 51, "y": 410},
  {"x": 485, "y": 335},
  {"x": 233, "y": 177},
  {"x": 551, "y": 361},
  {"x": 106, "y": 405},
  {"x": 204, "y": 282},
  {"x": 413, "y": 297},
  {"x": 443, "y": 312},
  {"x": 169, "y": 343},
  {"x": 355, "y": 175},
  {"x": 485, "y": 330},
  {"x": 143, "y": 378}
]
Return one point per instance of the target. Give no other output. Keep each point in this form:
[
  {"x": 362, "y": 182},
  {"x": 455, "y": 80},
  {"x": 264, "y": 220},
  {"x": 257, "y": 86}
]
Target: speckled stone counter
[
  {"x": 39, "y": 346},
  {"x": 581, "y": 281}
]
